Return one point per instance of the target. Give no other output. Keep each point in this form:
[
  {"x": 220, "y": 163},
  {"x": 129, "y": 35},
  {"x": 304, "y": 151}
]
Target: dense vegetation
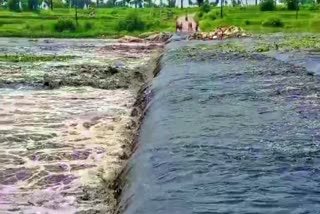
[
  {"x": 105, "y": 22},
  {"x": 26, "y": 19},
  {"x": 266, "y": 17}
]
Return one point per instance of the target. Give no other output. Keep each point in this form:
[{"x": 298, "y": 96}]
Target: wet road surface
[{"x": 227, "y": 133}]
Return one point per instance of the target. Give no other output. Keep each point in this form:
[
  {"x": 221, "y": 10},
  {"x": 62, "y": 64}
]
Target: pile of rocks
[
  {"x": 160, "y": 37},
  {"x": 219, "y": 33},
  {"x": 130, "y": 39},
  {"x": 156, "y": 38}
]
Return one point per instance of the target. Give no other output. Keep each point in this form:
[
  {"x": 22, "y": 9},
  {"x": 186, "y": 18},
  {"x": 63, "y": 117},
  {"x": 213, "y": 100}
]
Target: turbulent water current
[{"x": 63, "y": 137}]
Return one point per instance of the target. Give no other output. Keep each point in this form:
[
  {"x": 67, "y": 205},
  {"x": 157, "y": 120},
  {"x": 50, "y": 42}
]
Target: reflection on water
[{"x": 226, "y": 133}]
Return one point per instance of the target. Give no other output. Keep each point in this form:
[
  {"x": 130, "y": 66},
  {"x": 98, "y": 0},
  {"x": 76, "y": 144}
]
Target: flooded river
[
  {"x": 224, "y": 131},
  {"x": 66, "y": 126},
  {"x": 227, "y": 133}
]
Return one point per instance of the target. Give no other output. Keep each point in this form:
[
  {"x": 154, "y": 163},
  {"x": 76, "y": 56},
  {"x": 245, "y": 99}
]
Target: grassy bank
[
  {"x": 254, "y": 20},
  {"x": 103, "y": 24}
]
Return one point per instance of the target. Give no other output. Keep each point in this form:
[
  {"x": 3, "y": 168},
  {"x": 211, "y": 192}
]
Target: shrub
[
  {"x": 247, "y": 22},
  {"x": 114, "y": 12},
  {"x": 200, "y": 14},
  {"x": 65, "y": 25},
  {"x": 14, "y": 5},
  {"x": 273, "y": 22},
  {"x": 205, "y": 8},
  {"x": 212, "y": 15},
  {"x": 267, "y": 5},
  {"x": 313, "y": 7},
  {"x": 88, "y": 25},
  {"x": 153, "y": 23},
  {"x": 131, "y": 23},
  {"x": 58, "y": 3}
]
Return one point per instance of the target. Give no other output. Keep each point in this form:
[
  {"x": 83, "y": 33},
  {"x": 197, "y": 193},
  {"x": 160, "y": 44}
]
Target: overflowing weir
[{"x": 226, "y": 133}]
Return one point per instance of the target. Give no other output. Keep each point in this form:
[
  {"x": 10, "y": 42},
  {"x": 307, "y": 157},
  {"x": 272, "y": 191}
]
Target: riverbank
[
  {"x": 67, "y": 126},
  {"x": 103, "y": 24},
  {"x": 255, "y": 21},
  {"x": 107, "y": 22}
]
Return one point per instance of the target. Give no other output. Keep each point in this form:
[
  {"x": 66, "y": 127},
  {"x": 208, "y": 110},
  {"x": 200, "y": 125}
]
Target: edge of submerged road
[{"x": 140, "y": 106}]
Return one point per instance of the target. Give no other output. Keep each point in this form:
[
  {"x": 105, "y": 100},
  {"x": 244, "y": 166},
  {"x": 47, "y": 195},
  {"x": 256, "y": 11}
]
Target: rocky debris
[
  {"x": 155, "y": 37},
  {"x": 130, "y": 39},
  {"x": 161, "y": 37},
  {"x": 132, "y": 48},
  {"x": 104, "y": 77},
  {"x": 147, "y": 34},
  {"x": 219, "y": 33}
]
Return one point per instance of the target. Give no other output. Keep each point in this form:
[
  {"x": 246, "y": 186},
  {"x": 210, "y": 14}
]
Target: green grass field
[
  {"x": 103, "y": 24},
  {"x": 29, "y": 24},
  {"x": 251, "y": 19}
]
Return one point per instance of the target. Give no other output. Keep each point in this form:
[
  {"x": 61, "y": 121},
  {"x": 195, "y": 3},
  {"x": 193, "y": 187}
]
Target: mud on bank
[{"x": 67, "y": 127}]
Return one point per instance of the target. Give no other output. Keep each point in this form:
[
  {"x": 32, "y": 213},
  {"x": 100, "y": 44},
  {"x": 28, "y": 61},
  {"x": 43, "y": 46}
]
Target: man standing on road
[{"x": 197, "y": 25}]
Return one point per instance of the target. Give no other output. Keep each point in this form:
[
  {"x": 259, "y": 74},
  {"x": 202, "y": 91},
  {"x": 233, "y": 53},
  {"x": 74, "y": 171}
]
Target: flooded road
[
  {"x": 66, "y": 126},
  {"x": 227, "y": 133}
]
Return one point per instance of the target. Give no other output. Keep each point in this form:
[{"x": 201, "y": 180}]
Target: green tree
[
  {"x": 200, "y": 2},
  {"x": 267, "y": 5},
  {"x": 58, "y": 3},
  {"x": 110, "y": 3},
  {"x": 172, "y": 3},
  {"x": 221, "y": 9},
  {"x": 33, "y": 5},
  {"x": 14, "y": 5},
  {"x": 292, "y": 4}
]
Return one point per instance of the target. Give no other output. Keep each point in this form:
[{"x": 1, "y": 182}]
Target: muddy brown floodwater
[{"x": 66, "y": 127}]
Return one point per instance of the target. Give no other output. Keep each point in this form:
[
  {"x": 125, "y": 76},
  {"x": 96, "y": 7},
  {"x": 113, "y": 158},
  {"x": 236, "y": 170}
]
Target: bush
[
  {"x": 65, "y": 25},
  {"x": 114, "y": 12},
  {"x": 153, "y": 23},
  {"x": 313, "y": 7},
  {"x": 267, "y": 5},
  {"x": 273, "y": 22},
  {"x": 88, "y": 25},
  {"x": 131, "y": 22},
  {"x": 14, "y": 5},
  {"x": 212, "y": 15},
  {"x": 200, "y": 14},
  {"x": 205, "y": 8},
  {"x": 247, "y": 22},
  {"x": 58, "y": 4}
]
